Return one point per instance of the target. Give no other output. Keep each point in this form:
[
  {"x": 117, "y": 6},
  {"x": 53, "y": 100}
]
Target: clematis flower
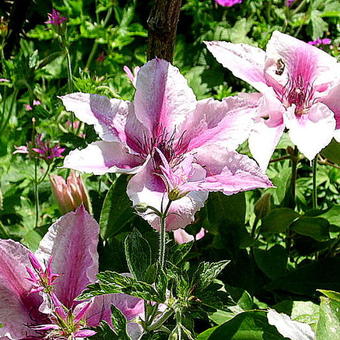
[
  {"x": 69, "y": 250},
  {"x": 165, "y": 119},
  {"x": 299, "y": 85},
  {"x": 228, "y": 3}
]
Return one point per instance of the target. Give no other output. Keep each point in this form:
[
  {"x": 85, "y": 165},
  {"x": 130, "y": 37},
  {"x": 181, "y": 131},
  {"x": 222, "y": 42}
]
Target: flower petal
[
  {"x": 300, "y": 60},
  {"x": 148, "y": 188},
  {"x": 229, "y": 172},
  {"x": 163, "y": 99},
  {"x": 226, "y": 123},
  {"x": 333, "y": 103},
  {"x": 72, "y": 242},
  {"x": 313, "y": 131},
  {"x": 103, "y": 157},
  {"x": 18, "y": 308},
  {"x": 100, "y": 309},
  {"x": 245, "y": 61},
  {"x": 107, "y": 115},
  {"x": 263, "y": 140}
]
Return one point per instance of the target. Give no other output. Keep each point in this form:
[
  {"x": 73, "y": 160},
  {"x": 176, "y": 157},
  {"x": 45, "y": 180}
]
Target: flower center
[{"x": 300, "y": 93}]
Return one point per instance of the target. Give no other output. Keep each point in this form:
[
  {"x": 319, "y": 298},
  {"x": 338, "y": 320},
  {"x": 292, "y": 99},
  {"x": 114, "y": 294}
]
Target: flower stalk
[
  {"x": 314, "y": 193},
  {"x": 162, "y": 235}
]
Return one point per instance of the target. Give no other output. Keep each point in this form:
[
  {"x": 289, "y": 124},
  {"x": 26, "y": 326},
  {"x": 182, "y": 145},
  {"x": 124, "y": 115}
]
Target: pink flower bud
[{"x": 70, "y": 194}]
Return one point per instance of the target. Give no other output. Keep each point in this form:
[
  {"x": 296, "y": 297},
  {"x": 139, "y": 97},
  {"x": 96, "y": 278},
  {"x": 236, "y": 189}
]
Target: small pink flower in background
[
  {"x": 181, "y": 236},
  {"x": 228, "y": 3},
  {"x": 3, "y": 80},
  {"x": 166, "y": 138},
  {"x": 317, "y": 42},
  {"x": 28, "y": 107},
  {"x": 55, "y": 18},
  {"x": 69, "y": 249},
  {"x": 36, "y": 102},
  {"x": 41, "y": 149},
  {"x": 132, "y": 75},
  {"x": 300, "y": 90},
  {"x": 70, "y": 194},
  {"x": 101, "y": 57},
  {"x": 288, "y": 3}
]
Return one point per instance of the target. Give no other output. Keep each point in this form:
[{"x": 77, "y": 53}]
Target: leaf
[
  {"x": 206, "y": 273},
  {"x": 116, "y": 211},
  {"x": 278, "y": 220},
  {"x": 328, "y": 327},
  {"x": 330, "y": 294},
  {"x": 290, "y": 329},
  {"x": 104, "y": 332},
  {"x": 244, "y": 326},
  {"x": 332, "y": 215},
  {"x": 319, "y": 26},
  {"x": 119, "y": 323},
  {"x": 332, "y": 152},
  {"x": 138, "y": 254},
  {"x": 314, "y": 227},
  {"x": 272, "y": 262},
  {"x": 178, "y": 252}
]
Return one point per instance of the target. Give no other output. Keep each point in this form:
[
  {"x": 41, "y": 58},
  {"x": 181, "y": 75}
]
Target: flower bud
[
  {"x": 70, "y": 194},
  {"x": 141, "y": 207}
]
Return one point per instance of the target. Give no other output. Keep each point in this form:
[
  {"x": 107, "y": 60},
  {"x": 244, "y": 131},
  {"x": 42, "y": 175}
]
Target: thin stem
[
  {"x": 166, "y": 315},
  {"x": 314, "y": 194},
  {"x": 162, "y": 236},
  {"x": 45, "y": 174},
  {"x": 36, "y": 193},
  {"x": 69, "y": 70},
  {"x": 294, "y": 160},
  {"x": 279, "y": 159},
  {"x": 5, "y": 122},
  {"x": 95, "y": 45}
]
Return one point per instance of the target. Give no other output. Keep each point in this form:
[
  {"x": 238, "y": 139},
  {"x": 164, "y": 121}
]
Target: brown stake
[{"x": 162, "y": 26}]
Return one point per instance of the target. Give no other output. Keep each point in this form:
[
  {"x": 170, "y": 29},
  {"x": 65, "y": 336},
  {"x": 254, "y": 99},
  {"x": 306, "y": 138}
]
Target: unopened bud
[
  {"x": 176, "y": 194},
  {"x": 141, "y": 207},
  {"x": 263, "y": 206},
  {"x": 70, "y": 194}
]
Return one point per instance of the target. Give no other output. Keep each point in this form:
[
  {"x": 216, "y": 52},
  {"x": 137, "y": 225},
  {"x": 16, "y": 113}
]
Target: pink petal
[
  {"x": 300, "y": 59},
  {"x": 313, "y": 131},
  {"x": 72, "y": 242},
  {"x": 229, "y": 172},
  {"x": 181, "y": 236},
  {"x": 227, "y": 123},
  {"x": 84, "y": 333},
  {"x": 148, "y": 188},
  {"x": 103, "y": 157},
  {"x": 100, "y": 309},
  {"x": 245, "y": 61},
  {"x": 163, "y": 100},
  {"x": 263, "y": 140},
  {"x": 82, "y": 311},
  {"x": 18, "y": 307},
  {"x": 107, "y": 115},
  {"x": 333, "y": 103}
]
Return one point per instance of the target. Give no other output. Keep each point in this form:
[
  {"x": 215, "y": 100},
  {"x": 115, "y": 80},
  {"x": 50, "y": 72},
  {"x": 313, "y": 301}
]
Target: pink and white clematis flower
[
  {"x": 69, "y": 250},
  {"x": 300, "y": 86},
  {"x": 166, "y": 122}
]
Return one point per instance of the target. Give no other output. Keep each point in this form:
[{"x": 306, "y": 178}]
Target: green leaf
[
  {"x": 332, "y": 215},
  {"x": 278, "y": 220},
  {"x": 116, "y": 211},
  {"x": 319, "y": 26},
  {"x": 119, "y": 323},
  {"x": 314, "y": 227},
  {"x": 272, "y": 262},
  {"x": 138, "y": 254},
  {"x": 332, "y": 151},
  {"x": 244, "y": 326},
  {"x": 328, "y": 327},
  {"x": 206, "y": 273},
  {"x": 104, "y": 332},
  {"x": 178, "y": 252},
  {"x": 330, "y": 294}
]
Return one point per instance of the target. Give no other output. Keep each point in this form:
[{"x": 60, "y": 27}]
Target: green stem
[
  {"x": 294, "y": 160},
  {"x": 5, "y": 122},
  {"x": 314, "y": 195},
  {"x": 36, "y": 193},
  {"x": 95, "y": 45},
  {"x": 69, "y": 70},
  {"x": 45, "y": 174},
  {"x": 166, "y": 315},
  {"x": 162, "y": 236}
]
